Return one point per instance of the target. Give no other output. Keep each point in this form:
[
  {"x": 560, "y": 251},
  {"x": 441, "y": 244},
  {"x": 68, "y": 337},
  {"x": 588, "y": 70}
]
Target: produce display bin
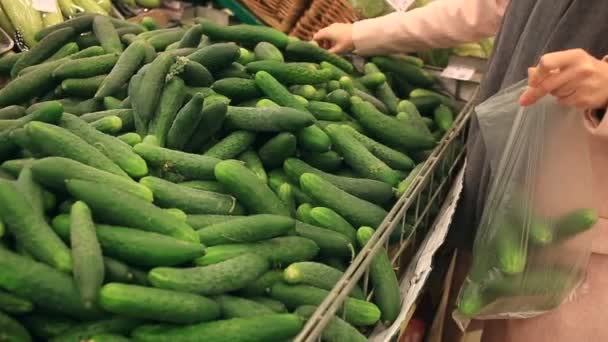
[{"x": 413, "y": 214}]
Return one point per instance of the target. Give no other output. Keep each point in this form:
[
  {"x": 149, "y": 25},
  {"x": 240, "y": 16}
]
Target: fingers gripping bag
[{"x": 532, "y": 244}]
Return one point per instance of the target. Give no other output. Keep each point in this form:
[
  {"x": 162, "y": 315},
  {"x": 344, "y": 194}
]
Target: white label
[
  {"x": 458, "y": 72},
  {"x": 49, "y": 6},
  {"x": 401, "y": 5}
]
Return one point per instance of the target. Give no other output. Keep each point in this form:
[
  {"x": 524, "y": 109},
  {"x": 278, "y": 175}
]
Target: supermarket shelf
[{"x": 421, "y": 202}]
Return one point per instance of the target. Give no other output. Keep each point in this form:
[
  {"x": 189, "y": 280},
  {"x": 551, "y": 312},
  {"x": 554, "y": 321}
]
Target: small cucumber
[
  {"x": 14, "y": 304},
  {"x": 171, "y": 101},
  {"x": 286, "y": 195},
  {"x": 337, "y": 330},
  {"x": 306, "y": 91},
  {"x": 391, "y": 157},
  {"x": 202, "y": 221},
  {"x": 232, "y": 145},
  {"x": 245, "y": 34},
  {"x": 43, "y": 50},
  {"x": 187, "y": 165},
  {"x": 340, "y": 97},
  {"x": 247, "y": 229},
  {"x": 157, "y": 304},
  {"x": 238, "y": 89},
  {"x": 277, "y": 178},
  {"x": 317, "y": 275},
  {"x": 86, "y": 67},
  {"x": 444, "y": 118},
  {"x": 190, "y": 200},
  {"x": 270, "y": 303},
  {"x": 125, "y": 68},
  {"x": 261, "y": 286},
  {"x": 277, "y": 119},
  {"x": 233, "y": 306},
  {"x": 326, "y": 111},
  {"x": 314, "y": 53},
  {"x": 151, "y": 87},
  {"x": 116, "y": 206},
  {"x": 327, "y": 218},
  {"x": 212, "y": 186},
  {"x": 274, "y": 152},
  {"x": 107, "y": 35},
  {"x": 254, "y": 163},
  {"x": 267, "y": 51},
  {"x": 329, "y": 161},
  {"x": 86, "y": 330},
  {"x": 226, "y": 276},
  {"x": 86, "y": 254},
  {"x": 191, "y": 38},
  {"x": 314, "y": 139},
  {"x": 373, "y": 80},
  {"x": 254, "y": 194},
  {"x": 216, "y": 57},
  {"x": 330, "y": 242},
  {"x": 130, "y": 139},
  {"x": 211, "y": 121},
  {"x": 185, "y": 123}
]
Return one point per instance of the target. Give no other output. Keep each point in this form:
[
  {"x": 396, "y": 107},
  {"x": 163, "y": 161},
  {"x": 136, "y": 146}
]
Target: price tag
[
  {"x": 458, "y": 72},
  {"x": 49, "y": 6},
  {"x": 401, "y": 5}
]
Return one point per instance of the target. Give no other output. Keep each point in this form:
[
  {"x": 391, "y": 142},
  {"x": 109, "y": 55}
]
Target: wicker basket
[
  {"x": 320, "y": 14},
  {"x": 280, "y": 14}
]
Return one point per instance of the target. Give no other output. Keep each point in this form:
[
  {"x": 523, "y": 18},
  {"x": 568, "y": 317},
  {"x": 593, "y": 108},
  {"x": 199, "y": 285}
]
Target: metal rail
[{"x": 428, "y": 189}]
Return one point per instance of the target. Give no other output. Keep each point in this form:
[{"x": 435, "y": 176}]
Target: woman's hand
[
  {"x": 337, "y": 38},
  {"x": 574, "y": 77}
]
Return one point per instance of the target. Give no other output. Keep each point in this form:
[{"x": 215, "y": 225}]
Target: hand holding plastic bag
[{"x": 531, "y": 249}]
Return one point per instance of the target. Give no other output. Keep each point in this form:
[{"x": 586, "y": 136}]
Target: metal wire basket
[{"x": 413, "y": 215}]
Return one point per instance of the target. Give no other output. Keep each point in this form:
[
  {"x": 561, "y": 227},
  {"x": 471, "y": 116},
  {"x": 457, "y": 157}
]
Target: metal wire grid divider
[{"x": 422, "y": 200}]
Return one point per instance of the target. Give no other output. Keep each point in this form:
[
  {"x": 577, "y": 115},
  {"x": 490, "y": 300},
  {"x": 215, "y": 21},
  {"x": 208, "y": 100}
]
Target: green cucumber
[
  {"x": 254, "y": 194},
  {"x": 151, "y": 87},
  {"x": 373, "y": 80},
  {"x": 286, "y": 195},
  {"x": 261, "y": 286},
  {"x": 267, "y": 51},
  {"x": 337, "y": 330},
  {"x": 125, "y": 115},
  {"x": 246, "y": 56},
  {"x": 317, "y": 275},
  {"x": 116, "y": 206},
  {"x": 333, "y": 85},
  {"x": 130, "y": 139},
  {"x": 43, "y": 50},
  {"x": 444, "y": 118},
  {"x": 31, "y": 229},
  {"x": 279, "y": 251},
  {"x": 329, "y": 161},
  {"x": 314, "y": 139},
  {"x": 367, "y": 189},
  {"x": 81, "y": 87},
  {"x": 232, "y": 145},
  {"x": 171, "y": 100},
  {"x": 276, "y": 91},
  {"x": 109, "y": 125},
  {"x": 290, "y": 73},
  {"x": 185, "y": 123},
  {"x": 135, "y": 246},
  {"x": 53, "y": 172},
  {"x": 86, "y": 67},
  {"x": 340, "y": 97},
  {"x": 387, "y": 294},
  {"x": 233, "y": 70},
  {"x": 107, "y": 35},
  {"x": 157, "y": 304},
  {"x": 216, "y": 57},
  {"x": 391, "y": 157},
  {"x": 311, "y": 52},
  {"x": 574, "y": 223},
  {"x": 327, "y": 218},
  {"x": 276, "y": 327},
  {"x": 7, "y": 62},
  {"x": 12, "y": 330},
  {"x": 426, "y": 105},
  {"x": 212, "y": 186},
  {"x": 113, "y": 148},
  {"x": 270, "y": 303},
  {"x": 12, "y": 112},
  {"x": 86, "y": 254},
  {"x": 191, "y": 38},
  {"x": 511, "y": 251},
  {"x": 108, "y": 337},
  {"x": 65, "y": 51},
  {"x": 389, "y": 130},
  {"x": 238, "y": 89},
  {"x": 117, "y": 271},
  {"x": 86, "y": 330},
  {"x": 123, "y": 70},
  {"x": 160, "y": 41},
  {"x": 48, "y": 288},
  {"x": 202, "y": 221},
  {"x": 32, "y": 191},
  {"x": 356, "y": 311},
  {"x": 245, "y": 34},
  {"x": 445, "y": 100},
  {"x": 254, "y": 163},
  {"x": 277, "y": 149},
  {"x": 211, "y": 121},
  {"x": 33, "y": 84},
  {"x": 187, "y": 165},
  {"x": 14, "y": 304},
  {"x": 405, "y": 184},
  {"x": 194, "y": 74},
  {"x": 80, "y": 24},
  {"x": 76, "y": 106},
  {"x": 226, "y": 276},
  {"x": 190, "y": 200},
  {"x": 303, "y": 213},
  {"x": 247, "y": 229},
  {"x": 57, "y": 141},
  {"x": 330, "y": 242},
  {"x": 412, "y": 73},
  {"x": 357, "y": 211},
  {"x": 233, "y": 307},
  {"x": 357, "y": 156},
  {"x": 277, "y": 119},
  {"x": 326, "y": 111}
]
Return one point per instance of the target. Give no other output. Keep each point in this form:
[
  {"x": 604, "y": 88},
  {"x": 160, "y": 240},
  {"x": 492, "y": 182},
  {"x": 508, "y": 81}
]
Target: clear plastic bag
[{"x": 532, "y": 245}]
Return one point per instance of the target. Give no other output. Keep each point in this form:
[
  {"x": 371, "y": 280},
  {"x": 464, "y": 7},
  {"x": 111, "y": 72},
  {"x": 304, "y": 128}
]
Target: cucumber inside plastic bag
[{"x": 533, "y": 242}]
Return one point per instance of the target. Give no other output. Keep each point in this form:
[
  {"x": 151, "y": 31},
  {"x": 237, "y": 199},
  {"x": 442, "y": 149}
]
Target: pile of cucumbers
[{"x": 199, "y": 184}]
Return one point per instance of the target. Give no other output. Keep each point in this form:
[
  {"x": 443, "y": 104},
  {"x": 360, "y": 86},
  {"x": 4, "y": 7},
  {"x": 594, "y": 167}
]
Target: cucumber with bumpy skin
[
  {"x": 232, "y": 145},
  {"x": 314, "y": 53},
  {"x": 226, "y": 276},
  {"x": 212, "y": 119},
  {"x": 330, "y": 242},
  {"x": 187, "y": 165},
  {"x": 391, "y": 157},
  {"x": 337, "y": 330},
  {"x": 43, "y": 50},
  {"x": 232, "y": 306},
  {"x": 216, "y": 56},
  {"x": 107, "y": 35},
  {"x": 317, "y": 275},
  {"x": 125, "y": 68},
  {"x": 190, "y": 200},
  {"x": 86, "y": 254},
  {"x": 261, "y": 286},
  {"x": 278, "y": 119},
  {"x": 277, "y": 149},
  {"x": 238, "y": 89},
  {"x": 327, "y": 218},
  {"x": 254, "y": 163},
  {"x": 247, "y": 229},
  {"x": 245, "y": 34},
  {"x": 329, "y": 161},
  {"x": 157, "y": 304},
  {"x": 255, "y": 195},
  {"x": 116, "y": 206},
  {"x": 185, "y": 123},
  {"x": 267, "y": 51},
  {"x": 357, "y": 312},
  {"x": 171, "y": 100}
]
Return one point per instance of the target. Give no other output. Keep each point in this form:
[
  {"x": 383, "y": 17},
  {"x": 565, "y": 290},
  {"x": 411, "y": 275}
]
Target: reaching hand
[
  {"x": 574, "y": 77},
  {"x": 337, "y": 38}
]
